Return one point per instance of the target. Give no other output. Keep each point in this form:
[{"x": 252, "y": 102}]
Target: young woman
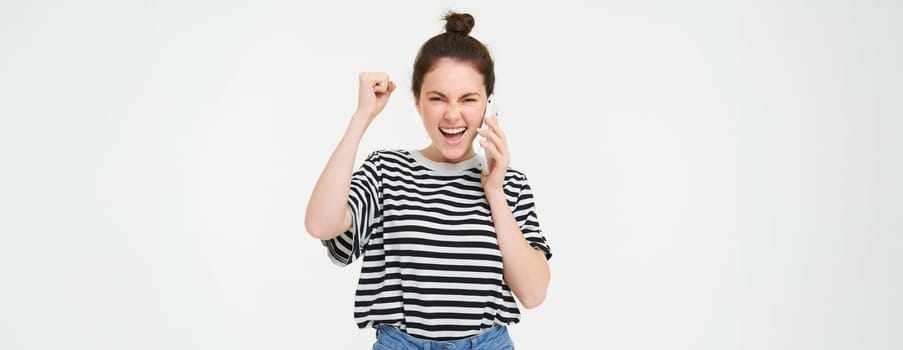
[{"x": 446, "y": 249}]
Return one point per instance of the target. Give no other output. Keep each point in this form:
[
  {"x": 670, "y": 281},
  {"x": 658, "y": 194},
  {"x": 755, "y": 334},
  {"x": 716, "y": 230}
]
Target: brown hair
[{"x": 457, "y": 44}]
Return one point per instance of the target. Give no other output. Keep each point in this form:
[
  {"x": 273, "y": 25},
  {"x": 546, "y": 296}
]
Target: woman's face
[{"x": 451, "y": 103}]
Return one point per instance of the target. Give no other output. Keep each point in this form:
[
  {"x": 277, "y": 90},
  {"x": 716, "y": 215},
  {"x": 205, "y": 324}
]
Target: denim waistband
[{"x": 390, "y": 335}]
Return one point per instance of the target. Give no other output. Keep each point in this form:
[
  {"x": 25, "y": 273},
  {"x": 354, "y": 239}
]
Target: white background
[{"x": 710, "y": 175}]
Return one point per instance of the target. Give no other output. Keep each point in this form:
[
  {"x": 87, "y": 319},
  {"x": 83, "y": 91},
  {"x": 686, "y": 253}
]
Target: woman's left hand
[{"x": 496, "y": 146}]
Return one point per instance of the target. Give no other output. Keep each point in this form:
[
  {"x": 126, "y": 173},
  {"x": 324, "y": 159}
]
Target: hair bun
[{"x": 458, "y": 22}]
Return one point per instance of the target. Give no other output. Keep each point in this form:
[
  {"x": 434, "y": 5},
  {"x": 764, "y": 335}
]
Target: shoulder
[
  {"x": 392, "y": 161},
  {"x": 515, "y": 175},
  {"x": 516, "y": 181},
  {"x": 395, "y": 153},
  {"x": 389, "y": 154}
]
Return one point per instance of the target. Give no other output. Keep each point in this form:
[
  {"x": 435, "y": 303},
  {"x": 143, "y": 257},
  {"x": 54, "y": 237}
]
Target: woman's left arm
[{"x": 525, "y": 268}]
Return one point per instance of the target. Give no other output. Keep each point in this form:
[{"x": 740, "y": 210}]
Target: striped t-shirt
[{"x": 432, "y": 264}]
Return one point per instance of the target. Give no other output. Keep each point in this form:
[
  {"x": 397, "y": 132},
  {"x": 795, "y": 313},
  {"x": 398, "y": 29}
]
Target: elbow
[
  {"x": 325, "y": 225},
  {"x": 533, "y": 301},
  {"x": 317, "y": 234},
  {"x": 317, "y": 230},
  {"x": 533, "y": 297}
]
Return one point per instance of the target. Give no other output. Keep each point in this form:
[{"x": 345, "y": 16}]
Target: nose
[{"x": 453, "y": 112}]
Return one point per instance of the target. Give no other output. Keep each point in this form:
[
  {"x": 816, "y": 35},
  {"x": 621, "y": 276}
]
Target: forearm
[
  {"x": 525, "y": 268},
  {"x": 326, "y": 216}
]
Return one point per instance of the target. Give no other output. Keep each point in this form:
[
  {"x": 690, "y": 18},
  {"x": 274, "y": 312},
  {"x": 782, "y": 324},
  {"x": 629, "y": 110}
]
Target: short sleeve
[
  {"x": 525, "y": 214},
  {"x": 366, "y": 213}
]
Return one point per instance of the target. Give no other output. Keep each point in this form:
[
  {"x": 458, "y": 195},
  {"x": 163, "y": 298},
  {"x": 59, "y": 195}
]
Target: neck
[{"x": 432, "y": 153}]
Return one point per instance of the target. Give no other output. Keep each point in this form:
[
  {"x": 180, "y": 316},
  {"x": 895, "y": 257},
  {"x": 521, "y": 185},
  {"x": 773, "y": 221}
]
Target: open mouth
[{"x": 453, "y": 135}]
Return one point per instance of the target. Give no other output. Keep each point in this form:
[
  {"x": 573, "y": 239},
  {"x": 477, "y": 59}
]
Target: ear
[{"x": 417, "y": 104}]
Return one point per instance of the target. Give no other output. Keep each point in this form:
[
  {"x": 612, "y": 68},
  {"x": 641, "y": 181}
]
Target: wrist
[
  {"x": 357, "y": 125},
  {"x": 361, "y": 116}
]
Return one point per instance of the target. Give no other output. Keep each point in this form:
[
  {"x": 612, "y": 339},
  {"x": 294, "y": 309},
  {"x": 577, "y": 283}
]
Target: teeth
[{"x": 452, "y": 131}]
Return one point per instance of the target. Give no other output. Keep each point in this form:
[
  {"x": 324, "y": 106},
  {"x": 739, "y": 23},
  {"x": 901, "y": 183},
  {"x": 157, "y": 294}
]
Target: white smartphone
[{"x": 485, "y": 158}]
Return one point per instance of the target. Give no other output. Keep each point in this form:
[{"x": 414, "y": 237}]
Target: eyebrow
[{"x": 443, "y": 95}]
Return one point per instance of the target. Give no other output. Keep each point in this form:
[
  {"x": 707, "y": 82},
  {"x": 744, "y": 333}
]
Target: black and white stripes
[{"x": 431, "y": 262}]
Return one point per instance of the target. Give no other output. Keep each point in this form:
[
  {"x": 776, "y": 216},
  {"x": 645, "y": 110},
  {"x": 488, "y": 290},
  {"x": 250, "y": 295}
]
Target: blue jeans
[{"x": 391, "y": 338}]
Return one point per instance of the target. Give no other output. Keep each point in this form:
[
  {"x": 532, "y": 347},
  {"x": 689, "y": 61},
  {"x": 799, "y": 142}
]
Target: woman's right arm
[{"x": 327, "y": 213}]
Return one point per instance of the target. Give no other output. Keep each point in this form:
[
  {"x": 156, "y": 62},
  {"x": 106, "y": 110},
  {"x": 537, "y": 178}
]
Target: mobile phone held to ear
[{"x": 485, "y": 158}]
